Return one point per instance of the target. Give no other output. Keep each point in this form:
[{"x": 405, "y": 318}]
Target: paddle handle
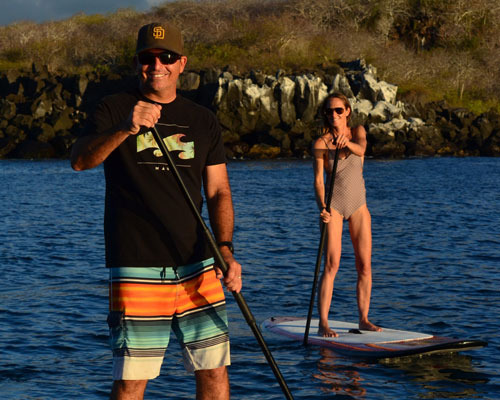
[
  {"x": 320, "y": 249},
  {"x": 245, "y": 310}
]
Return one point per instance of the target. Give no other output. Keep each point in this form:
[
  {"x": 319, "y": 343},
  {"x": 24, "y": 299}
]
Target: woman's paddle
[
  {"x": 223, "y": 266},
  {"x": 321, "y": 246}
]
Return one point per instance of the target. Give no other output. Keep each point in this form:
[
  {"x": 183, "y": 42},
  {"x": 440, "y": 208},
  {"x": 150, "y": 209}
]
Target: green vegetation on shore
[{"x": 432, "y": 49}]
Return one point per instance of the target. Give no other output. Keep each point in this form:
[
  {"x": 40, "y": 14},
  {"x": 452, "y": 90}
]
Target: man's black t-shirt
[{"x": 148, "y": 222}]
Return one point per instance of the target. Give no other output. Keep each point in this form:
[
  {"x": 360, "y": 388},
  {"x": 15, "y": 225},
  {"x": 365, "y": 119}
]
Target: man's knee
[
  {"x": 217, "y": 374},
  {"x": 212, "y": 384},
  {"x": 130, "y": 388}
]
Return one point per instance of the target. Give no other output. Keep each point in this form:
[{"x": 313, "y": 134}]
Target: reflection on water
[
  {"x": 338, "y": 377},
  {"x": 445, "y": 375}
]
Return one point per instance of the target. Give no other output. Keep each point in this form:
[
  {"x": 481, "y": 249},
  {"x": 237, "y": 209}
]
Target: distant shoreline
[{"x": 262, "y": 116}]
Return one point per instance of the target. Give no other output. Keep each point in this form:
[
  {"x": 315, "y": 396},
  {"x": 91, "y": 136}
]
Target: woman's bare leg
[
  {"x": 332, "y": 262},
  {"x": 361, "y": 236}
]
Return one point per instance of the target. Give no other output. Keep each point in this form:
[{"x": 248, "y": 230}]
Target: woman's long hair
[{"x": 327, "y": 128}]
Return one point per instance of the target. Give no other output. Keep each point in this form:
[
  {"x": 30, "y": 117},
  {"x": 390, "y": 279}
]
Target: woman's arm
[
  {"x": 319, "y": 153},
  {"x": 357, "y": 144}
]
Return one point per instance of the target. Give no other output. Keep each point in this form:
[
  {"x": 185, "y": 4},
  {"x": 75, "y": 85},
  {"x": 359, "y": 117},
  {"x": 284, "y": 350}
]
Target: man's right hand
[
  {"x": 143, "y": 114},
  {"x": 89, "y": 151}
]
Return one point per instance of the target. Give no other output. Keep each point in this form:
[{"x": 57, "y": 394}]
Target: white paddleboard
[{"x": 355, "y": 342}]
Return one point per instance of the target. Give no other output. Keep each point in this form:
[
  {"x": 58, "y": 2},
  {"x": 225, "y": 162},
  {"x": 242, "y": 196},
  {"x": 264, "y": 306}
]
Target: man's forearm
[
  {"x": 221, "y": 213},
  {"x": 90, "y": 151}
]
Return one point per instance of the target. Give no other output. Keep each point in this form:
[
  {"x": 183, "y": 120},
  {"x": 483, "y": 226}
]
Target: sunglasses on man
[
  {"x": 338, "y": 110},
  {"x": 166, "y": 58}
]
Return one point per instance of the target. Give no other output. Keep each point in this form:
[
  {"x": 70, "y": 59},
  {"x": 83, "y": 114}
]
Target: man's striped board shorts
[{"x": 145, "y": 304}]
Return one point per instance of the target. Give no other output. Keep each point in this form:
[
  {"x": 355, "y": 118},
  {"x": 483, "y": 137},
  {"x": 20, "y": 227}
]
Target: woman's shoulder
[
  {"x": 320, "y": 143},
  {"x": 358, "y": 129},
  {"x": 358, "y": 133}
]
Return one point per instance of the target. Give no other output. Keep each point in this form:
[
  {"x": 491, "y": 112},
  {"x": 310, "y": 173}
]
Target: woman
[{"x": 348, "y": 202}]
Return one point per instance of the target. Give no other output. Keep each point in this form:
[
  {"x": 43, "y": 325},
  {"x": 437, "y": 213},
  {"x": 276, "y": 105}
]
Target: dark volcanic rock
[{"x": 261, "y": 116}]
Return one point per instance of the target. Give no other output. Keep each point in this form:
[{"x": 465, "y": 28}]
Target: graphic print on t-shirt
[{"x": 173, "y": 142}]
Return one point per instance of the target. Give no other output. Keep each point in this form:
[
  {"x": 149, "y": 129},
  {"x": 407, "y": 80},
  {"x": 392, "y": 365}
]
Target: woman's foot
[
  {"x": 368, "y": 326},
  {"x": 325, "y": 331}
]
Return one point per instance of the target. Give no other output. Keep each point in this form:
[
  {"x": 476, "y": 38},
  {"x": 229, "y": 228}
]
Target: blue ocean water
[{"x": 436, "y": 256}]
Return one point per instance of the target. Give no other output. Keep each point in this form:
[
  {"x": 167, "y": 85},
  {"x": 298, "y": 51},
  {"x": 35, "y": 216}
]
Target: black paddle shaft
[
  {"x": 320, "y": 249},
  {"x": 245, "y": 310}
]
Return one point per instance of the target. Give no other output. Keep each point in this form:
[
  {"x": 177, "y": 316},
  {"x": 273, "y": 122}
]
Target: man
[{"x": 162, "y": 276}]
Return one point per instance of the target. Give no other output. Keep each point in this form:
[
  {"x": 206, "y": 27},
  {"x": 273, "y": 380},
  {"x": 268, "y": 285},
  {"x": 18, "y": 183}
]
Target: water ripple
[{"x": 435, "y": 269}]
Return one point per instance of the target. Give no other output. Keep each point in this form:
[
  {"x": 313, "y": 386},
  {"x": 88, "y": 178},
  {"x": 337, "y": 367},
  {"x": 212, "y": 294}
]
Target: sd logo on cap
[{"x": 160, "y": 36}]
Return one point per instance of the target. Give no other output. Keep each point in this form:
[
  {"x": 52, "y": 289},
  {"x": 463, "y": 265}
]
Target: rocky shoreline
[{"x": 262, "y": 116}]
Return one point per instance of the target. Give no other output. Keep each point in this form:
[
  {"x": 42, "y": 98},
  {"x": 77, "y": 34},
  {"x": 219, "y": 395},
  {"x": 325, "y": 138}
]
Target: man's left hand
[{"x": 233, "y": 278}]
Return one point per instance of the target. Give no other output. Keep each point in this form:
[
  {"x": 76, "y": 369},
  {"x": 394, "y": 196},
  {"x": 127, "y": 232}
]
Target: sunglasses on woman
[
  {"x": 166, "y": 58},
  {"x": 338, "y": 110}
]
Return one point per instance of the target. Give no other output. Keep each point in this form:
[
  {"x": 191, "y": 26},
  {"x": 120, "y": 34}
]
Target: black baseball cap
[{"x": 160, "y": 36}]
